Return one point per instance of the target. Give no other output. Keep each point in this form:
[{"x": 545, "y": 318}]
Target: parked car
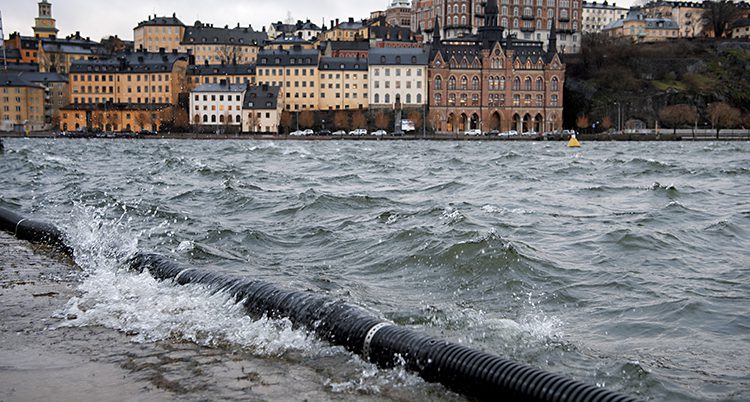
[
  {"x": 509, "y": 134},
  {"x": 492, "y": 133},
  {"x": 298, "y": 133},
  {"x": 359, "y": 131},
  {"x": 308, "y": 132},
  {"x": 379, "y": 133},
  {"x": 339, "y": 132},
  {"x": 324, "y": 132},
  {"x": 475, "y": 131}
]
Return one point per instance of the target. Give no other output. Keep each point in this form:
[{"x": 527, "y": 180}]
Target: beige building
[
  {"x": 397, "y": 74},
  {"x": 159, "y": 33},
  {"x": 687, "y": 15},
  {"x": 343, "y": 83},
  {"x": 640, "y": 29},
  {"x": 346, "y": 31},
  {"x": 261, "y": 111},
  {"x": 116, "y": 117},
  {"x": 296, "y": 72},
  {"x": 217, "y": 105},
  {"x": 741, "y": 28},
  {"x": 229, "y": 45},
  {"x": 56, "y": 93},
  {"x": 133, "y": 78},
  {"x": 596, "y": 16},
  {"x": 22, "y": 107}
]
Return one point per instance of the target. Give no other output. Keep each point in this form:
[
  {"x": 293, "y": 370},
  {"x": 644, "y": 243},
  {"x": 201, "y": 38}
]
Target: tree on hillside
[
  {"x": 719, "y": 16},
  {"x": 382, "y": 120},
  {"x": 286, "y": 121},
  {"x": 306, "y": 119},
  {"x": 341, "y": 121},
  {"x": 359, "y": 120},
  {"x": 678, "y": 115},
  {"x": 723, "y": 116},
  {"x": 582, "y": 122}
]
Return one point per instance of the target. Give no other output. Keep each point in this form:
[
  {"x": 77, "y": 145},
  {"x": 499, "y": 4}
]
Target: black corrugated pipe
[
  {"x": 473, "y": 373},
  {"x": 33, "y": 231}
]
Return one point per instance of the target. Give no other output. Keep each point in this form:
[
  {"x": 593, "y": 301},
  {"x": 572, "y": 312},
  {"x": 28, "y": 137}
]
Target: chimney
[
  {"x": 351, "y": 20},
  {"x": 223, "y": 83},
  {"x": 174, "y": 51},
  {"x": 205, "y": 62},
  {"x": 162, "y": 50},
  {"x": 174, "y": 15},
  {"x": 337, "y": 23}
]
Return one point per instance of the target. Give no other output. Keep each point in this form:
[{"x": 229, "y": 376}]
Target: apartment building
[
  {"x": 159, "y": 33},
  {"x": 295, "y": 71},
  {"x": 261, "y": 111},
  {"x": 397, "y": 75},
  {"x": 22, "y": 106},
  {"x": 215, "y": 45},
  {"x": 343, "y": 83},
  {"x": 596, "y": 16}
]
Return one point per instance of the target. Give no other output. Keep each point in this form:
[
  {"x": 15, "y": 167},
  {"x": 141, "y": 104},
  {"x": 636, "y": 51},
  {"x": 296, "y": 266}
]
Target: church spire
[
  {"x": 436, "y": 31},
  {"x": 552, "y": 46}
]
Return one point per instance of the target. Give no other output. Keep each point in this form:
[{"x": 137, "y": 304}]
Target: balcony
[
  {"x": 528, "y": 29},
  {"x": 527, "y": 17}
]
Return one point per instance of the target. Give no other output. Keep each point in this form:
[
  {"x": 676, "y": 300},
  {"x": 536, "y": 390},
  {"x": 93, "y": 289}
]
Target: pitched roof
[
  {"x": 14, "y": 79},
  {"x": 221, "y": 69},
  {"x": 261, "y": 97},
  {"x": 220, "y": 88},
  {"x": 396, "y": 56},
  {"x": 161, "y": 21},
  {"x": 38, "y": 77},
  {"x": 343, "y": 63},
  {"x": 205, "y": 33},
  {"x": 130, "y": 62},
  {"x": 277, "y": 57}
]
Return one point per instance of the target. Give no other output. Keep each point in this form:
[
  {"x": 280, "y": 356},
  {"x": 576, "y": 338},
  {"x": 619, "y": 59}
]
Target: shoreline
[{"x": 736, "y": 135}]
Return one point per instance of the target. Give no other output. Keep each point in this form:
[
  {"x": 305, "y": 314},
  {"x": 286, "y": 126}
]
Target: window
[
  {"x": 539, "y": 84},
  {"x": 452, "y": 83},
  {"x": 555, "y": 84},
  {"x": 438, "y": 83},
  {"x": 527, "y": 84},
  {"x": 517, "y": 84},
  {"x": 554, "y": 100},
  {"x": 475, "y": 83}
]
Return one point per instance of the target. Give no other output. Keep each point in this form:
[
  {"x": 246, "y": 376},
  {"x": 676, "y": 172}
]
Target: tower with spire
[
  {"x": 552, "y": 46},
  {"x": 44, "y": 24}
]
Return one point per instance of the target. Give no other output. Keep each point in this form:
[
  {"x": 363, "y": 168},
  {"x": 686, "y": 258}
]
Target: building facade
[
  {"x": 343, "y": 83},
  {"x": 596, "y": 16},
  {"x": 398, "y": 13},
  {"x": 687, "y": 15},
  {"x": 526, "y": 19},
  {"x": 305, "y": 30},
  {"x": 116, "y": 117},
  {"x": 397, "y": 75},
  {"x": 44, "y": 25},
  {"x": 741, "y": 28},
  {"x": 215, "y": 45},
  {"x": 217, "y": 105},
  {"x": 159, "y": 33},
  {"x": 22, "y": 108},
  {"x": 56, "y": 93},
  {"x": 346, "y": 31},
  {"x": 640, "y": 29},
  {"x": 261, "y": 111},
  {"x": 489, "y": 83},
  {"x": 295, "y": 71}
]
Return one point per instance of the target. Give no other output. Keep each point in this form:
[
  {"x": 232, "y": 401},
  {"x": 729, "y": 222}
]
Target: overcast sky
[{"x": 100, "y": 18}]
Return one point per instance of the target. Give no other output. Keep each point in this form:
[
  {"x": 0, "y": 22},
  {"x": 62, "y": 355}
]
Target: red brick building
[{"x": 489, "y": 83}]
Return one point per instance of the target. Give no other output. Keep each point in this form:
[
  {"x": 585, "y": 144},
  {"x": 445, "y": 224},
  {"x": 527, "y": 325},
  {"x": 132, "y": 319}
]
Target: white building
[
  {"x": 217, "y": 104},
  {"x": 397, "y": 74},
  {"x": 261, "y": 110},
  {"x": 596, "y": 16}
]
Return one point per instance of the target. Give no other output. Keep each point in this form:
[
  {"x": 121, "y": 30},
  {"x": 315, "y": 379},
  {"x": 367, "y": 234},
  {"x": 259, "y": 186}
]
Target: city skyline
[{"x": 119, "y": 18}]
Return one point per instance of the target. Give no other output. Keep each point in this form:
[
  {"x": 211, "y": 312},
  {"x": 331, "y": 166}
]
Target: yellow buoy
[{"x": 573, "y": 143}]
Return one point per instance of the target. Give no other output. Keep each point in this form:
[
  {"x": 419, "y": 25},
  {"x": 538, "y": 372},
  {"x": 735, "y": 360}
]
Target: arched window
[
  {"x": 438, "y": 99},
  {"x": 504, "y": 22},
  {"x": 408, "y": 99},
  {"x": 237, "y": 119},
  {"x": 213, "y": 118},
  {"x": 555, "y": 84},
  {"x": 515, "y": 23},
  {"x": 539, "y": 101},
  {"x": 377, "y": 98},
  {"x": 464, "y": 83},
  {"x": 527, "y": 84},
  {"x": 455, "y": 20},
  {"x": 438, "y": 83},
  {"x": 387, "y": 98},
  {"x": 492, "y": 84},
  {"x": 475, "y": 84},
  {"x": 554, "y": 100},
  {"x": 463, "y": 20},
  {"x": 517, "y": 84},
  {"x": 419, "y": 99},
  {"x": 539, "y": 84},
  {"x": 516, "y": 100},
  {"x": 205, "y": 118},
  {"x": 452, "y": 83},
  {"x": 221, "y": 119},
  {"x": 502, "y": 83}
]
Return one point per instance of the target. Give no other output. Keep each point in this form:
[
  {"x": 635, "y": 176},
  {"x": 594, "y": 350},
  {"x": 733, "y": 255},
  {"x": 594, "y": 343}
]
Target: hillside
[{"x": 647, "y": 77}]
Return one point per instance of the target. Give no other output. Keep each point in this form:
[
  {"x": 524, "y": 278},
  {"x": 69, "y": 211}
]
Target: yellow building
[
  {"x": 687, "y": 15},
  {"x": 296, "y": 72},
  {"x": 56, "y": 55},
  {"x": 215, "y": 73},
  {"x": 116, "y": 117},
  {"x": 159, "y": 33},
  {"x": 134, "y": 78},
  {"x": 641, "y": 29},
  {"x": 261, "y": 111},
  {"x": 22, "y": 104},
  {"x": 343, "y": 83},
  {"x": 346, "y": 31},
  {"x": 239, "y": 45},
  {"x": 44, "y": 24}
]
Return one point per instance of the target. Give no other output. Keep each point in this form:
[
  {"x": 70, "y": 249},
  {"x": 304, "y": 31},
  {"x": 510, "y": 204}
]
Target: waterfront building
[
  {"x": 640, "y": 29},
  {"x": 398, "y": 14},
  {"x": 343, "y": 83},
  {"x": 44, "y": 25},
  {"x": 346, "y": 31},
  {"x": 57, "y": 55},
  {"x": 596, "y": 16},
  {"x": 295, "y": 71},
  {"x": 22, "y": 107},
  {"x": 397, "y": 75},
  {"x": 159, "y": 33},
  {"x": 214, "y": 73},
  {"x": 207, "y": 43},
  {"x": 133, "y": 78},
  {"x": 741, "y": 28},
  {"x": 261, "y": 110},
  {"x": 56, "y": 93},
  {"x": 488, "y": 83},
  {"x": 113, "y": 117},
  {"x": 305, "y": 30},
  {"x": 217, "y": 105},
  {"x": 527, "y": 19}
]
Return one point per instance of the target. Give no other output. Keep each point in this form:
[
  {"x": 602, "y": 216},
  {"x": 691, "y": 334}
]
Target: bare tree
[
  {"x": 677, "y": 115},
  {"x": 382, "y": 120},
  {"x": 434, "y": 120},
  {"x": 142, "y": 119},
  {"x": 582, "y": 122},
  {"x": 97, "y": 120},
  {"x": 197, "y": 120},
  {"x": 359, "y": 120},
  {"x": 341, "y": 120},
  {"x": 55, "y": 120},
  {"x": 286, "y": 120},
  {"x": 228, "y": 53},
  {"x": 416, "y": 118},
  {"x": 606, "y": 122},
  {"x": 719, "y": 16},
  {"x": 723, "y": 116},
  {"x": 181, "y": 119},
  {"x": 307, "y": 119}
]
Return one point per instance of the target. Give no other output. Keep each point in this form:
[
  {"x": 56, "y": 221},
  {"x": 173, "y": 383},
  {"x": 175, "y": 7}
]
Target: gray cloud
[{"x": 97, "y": 19}]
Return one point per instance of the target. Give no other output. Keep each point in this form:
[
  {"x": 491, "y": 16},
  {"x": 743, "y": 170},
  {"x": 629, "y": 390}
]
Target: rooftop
[
  {"x": 343, "y": 63},
  {"x": 396, "y": 56},
  {"x": 222, "y": 87},
  {"x": 261, "y": 97},
  {"x": 206, "y": 33},
  {"x": 161, "y": 21}
]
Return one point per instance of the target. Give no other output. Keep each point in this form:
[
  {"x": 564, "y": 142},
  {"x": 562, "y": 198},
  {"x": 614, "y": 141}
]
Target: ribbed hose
[{"x": 473, "y": 373}]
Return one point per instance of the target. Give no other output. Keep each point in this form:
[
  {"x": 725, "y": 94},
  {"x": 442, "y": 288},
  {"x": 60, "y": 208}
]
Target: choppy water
[{"x": 620, "y": 264}]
